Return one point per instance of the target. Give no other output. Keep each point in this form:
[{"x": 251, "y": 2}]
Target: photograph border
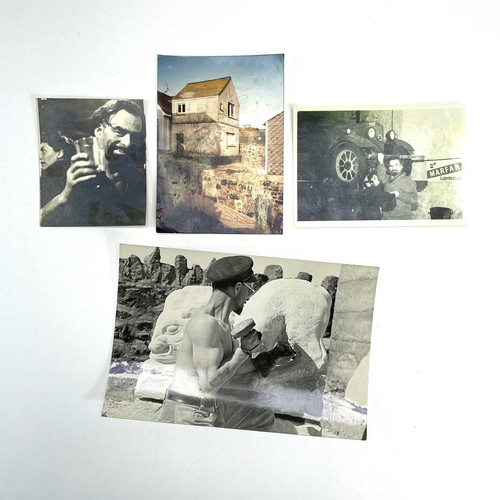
[{"x": 373, "y": 223}]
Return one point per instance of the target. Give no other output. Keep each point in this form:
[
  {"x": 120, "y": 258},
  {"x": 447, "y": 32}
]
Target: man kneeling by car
[{"x": 394, "y": 189}]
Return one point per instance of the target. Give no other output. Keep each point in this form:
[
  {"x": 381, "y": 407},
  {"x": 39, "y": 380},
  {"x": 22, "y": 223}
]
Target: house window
[
  {"x": 181, "y": 108},
  {"x": 231, "y": 140},
  {"x": 221, "y": 107},
  {"x": 230, "y": 110}
]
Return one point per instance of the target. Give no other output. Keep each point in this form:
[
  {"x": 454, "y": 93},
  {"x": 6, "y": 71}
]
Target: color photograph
[{"x": 220, "y": 144}]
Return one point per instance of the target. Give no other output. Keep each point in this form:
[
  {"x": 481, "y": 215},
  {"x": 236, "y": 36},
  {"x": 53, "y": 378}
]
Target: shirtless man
[{"x": 210, "y": 356}]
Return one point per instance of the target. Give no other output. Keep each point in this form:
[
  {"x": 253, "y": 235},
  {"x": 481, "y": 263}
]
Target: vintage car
[{"x": 336, "y": 151}]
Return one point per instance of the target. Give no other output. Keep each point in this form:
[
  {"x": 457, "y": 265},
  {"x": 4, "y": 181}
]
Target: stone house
[
  {"x": 164, "y": 121},
  {"x": 205, "y": 118}
]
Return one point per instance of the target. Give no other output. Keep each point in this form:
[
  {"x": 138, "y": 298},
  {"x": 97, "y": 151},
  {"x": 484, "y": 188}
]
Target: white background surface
[{"x": 433, "y": 396}]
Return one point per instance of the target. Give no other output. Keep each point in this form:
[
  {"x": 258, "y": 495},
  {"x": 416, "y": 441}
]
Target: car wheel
[{"x": 349, "y": 163}]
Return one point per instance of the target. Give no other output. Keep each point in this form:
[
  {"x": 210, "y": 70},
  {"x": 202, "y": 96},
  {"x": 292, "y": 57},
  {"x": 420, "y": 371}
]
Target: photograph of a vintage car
[{"x": 389, "y": 165}]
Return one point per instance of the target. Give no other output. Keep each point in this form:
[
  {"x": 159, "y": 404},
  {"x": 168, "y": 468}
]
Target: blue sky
[{"x": 258, "y": 81}]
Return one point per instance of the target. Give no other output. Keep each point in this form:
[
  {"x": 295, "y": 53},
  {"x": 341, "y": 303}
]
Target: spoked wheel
[{"x": 349, "y": 164}]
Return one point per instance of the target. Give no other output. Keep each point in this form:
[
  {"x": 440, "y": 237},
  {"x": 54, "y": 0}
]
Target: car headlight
[
  {"x": 371, "y": 133},
  {"x": 391, "y": 135},
  {"x": 347, "y": 130},
  {"x": 379, "y": 137}
]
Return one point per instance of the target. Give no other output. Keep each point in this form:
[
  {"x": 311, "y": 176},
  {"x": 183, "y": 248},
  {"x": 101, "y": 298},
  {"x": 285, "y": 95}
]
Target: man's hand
[
  {"x": 81, "y": 170},
  {"x": 250, "y": 341},
  {"x": 395, "y": 193},
  {"x": 380, "y": 158}
]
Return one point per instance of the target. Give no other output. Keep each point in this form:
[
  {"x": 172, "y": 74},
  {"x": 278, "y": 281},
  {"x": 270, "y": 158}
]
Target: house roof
[
  {"x": 279, "y": 115},
  {"x": 165, "y": 103},
  {"x": 204, "y": 89}
]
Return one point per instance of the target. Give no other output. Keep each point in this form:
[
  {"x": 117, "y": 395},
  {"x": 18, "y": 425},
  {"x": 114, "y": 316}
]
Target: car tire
[{"x": 349, "y": 164}]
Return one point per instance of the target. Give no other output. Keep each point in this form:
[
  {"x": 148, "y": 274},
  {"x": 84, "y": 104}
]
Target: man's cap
[{"x": 231, "y": 270}]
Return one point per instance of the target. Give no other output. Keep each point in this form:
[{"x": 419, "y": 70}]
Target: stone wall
[
  {"x": 352, "y": 324},
  {"x": 255, "y": 195},
  {"x": 253, "y": 155}
]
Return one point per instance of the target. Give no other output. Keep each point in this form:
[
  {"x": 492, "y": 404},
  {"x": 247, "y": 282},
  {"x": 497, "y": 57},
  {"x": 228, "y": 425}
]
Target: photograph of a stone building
[
  {"x": 308, "y": 372},
  {"x": 220, "y": 144}
]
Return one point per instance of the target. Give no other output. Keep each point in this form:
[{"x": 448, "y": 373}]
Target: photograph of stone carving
[
  {"x": 220, "y": 144},
  {"x": 252, "y": 343},
  {"x": 384, "y": 166},
  {"x": 92, "y": 162}
]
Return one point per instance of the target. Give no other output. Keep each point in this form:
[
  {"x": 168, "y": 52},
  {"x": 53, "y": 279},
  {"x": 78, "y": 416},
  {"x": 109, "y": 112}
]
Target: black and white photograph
[
  {"x": 240, "y": 342},
  {"x": 388, "y": 166},
  {"x": 220, "y": 144},
  {"x": 92, "y": 162}
]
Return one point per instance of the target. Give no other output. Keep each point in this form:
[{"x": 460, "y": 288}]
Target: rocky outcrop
[
  {"x": 304, "y": 276},
  {"x": 273, "y": 272},
  {"x": 142, "y": 290},
  {"x": 181, "y": 269},
  {"x": 131, "y": 269}
]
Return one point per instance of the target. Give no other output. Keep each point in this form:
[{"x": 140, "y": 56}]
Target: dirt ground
[{"x": 122, "y": 403}]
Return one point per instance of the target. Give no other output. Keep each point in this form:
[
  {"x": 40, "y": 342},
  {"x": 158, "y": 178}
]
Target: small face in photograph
[
  {"x": 48, "y": 156},
  {"x": 119, "y": 135},
  {"x": 394, "y": 168}
]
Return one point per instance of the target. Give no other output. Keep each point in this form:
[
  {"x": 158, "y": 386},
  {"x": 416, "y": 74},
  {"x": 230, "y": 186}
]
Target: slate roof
[
  {"x": 165, "y": 103},
  {"x": 203, "y": 89}
]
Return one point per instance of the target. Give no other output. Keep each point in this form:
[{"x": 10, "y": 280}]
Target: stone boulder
[
  {"x": 273, "y": 272},
  {"x": 293, "y": 310},
  {"x": 297, "y": 311},
  {"x": 304, "y": 276}
]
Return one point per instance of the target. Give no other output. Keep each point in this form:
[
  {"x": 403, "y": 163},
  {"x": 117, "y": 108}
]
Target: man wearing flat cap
[{"x": 212, "y": 353}]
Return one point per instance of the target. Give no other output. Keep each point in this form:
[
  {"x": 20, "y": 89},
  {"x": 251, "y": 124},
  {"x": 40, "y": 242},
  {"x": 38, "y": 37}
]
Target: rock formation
[
  {"x": 304, "y": 276},
  {"x": 273, "y": 272}
]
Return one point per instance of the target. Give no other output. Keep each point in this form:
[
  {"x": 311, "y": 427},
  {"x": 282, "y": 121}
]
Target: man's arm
[
  {"x": 208, "y": 354},
  {"x": 81, "y": 170},
  {"x": 382, "y": 174}
]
